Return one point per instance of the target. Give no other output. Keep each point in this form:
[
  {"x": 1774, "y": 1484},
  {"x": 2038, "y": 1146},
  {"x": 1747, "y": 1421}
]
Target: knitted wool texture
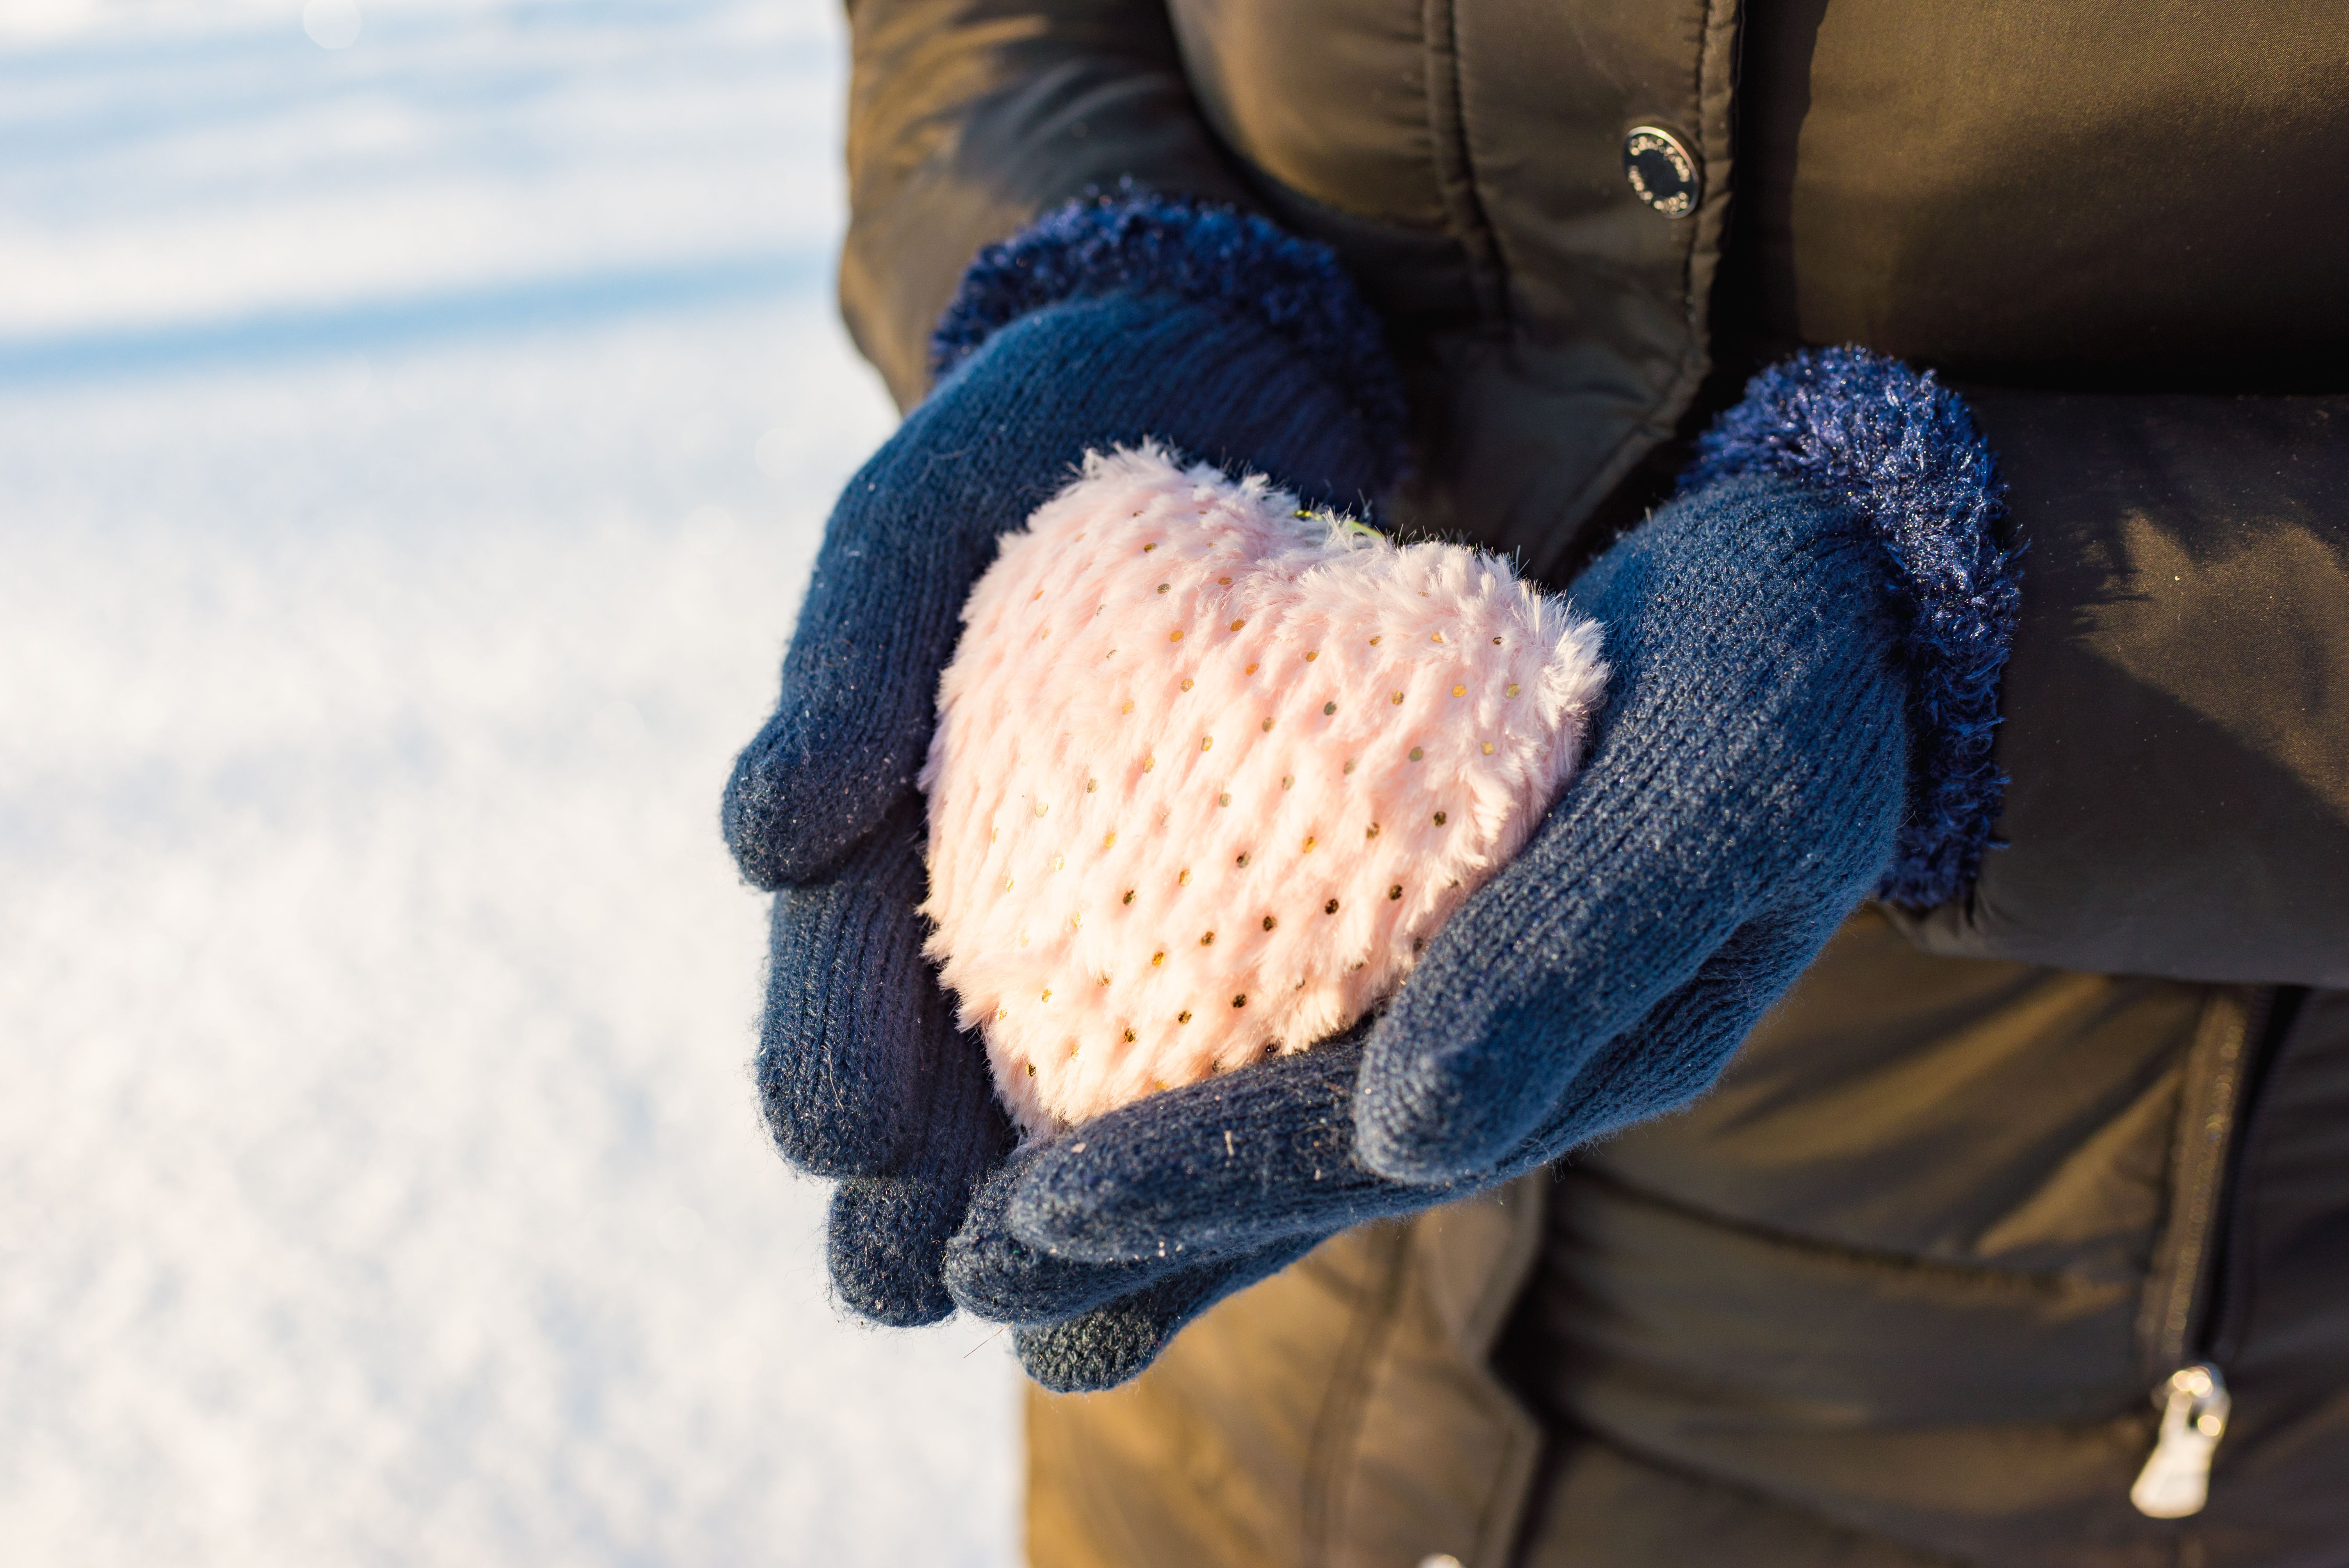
[
  {"x": 1210, "y": 768},
  {"x": 1250, "y": 377},
  {"x": 1746, "y": 784},
  {"x": 1742, "y": 792},
  {"x": 861, "y": 1074}
]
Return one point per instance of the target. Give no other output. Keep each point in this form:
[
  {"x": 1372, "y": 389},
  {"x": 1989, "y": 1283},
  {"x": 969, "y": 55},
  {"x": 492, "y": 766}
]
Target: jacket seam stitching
[
  {"x": 1653, "y": 428},
  {"x": 1338, "y": 1426},
  {"x": 2043, "y": 1281},
  {"x": 1455, "y": 167}
]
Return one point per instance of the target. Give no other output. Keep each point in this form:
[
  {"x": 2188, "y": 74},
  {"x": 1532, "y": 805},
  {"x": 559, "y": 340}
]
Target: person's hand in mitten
[
  {"x": 1108, "y": 324},
  {"x": 1805, "y": 650}
]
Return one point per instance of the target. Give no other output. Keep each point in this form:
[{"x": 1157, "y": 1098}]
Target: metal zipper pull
[{"x": 2175, "y": 1481}]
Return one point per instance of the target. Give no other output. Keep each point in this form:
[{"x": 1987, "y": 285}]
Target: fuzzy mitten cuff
[
  {"x": 1142, "y": 245},
  {"x": 1901, "y": 450}
]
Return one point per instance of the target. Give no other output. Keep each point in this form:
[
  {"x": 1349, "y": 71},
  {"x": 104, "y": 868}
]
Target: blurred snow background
[{"x": 410, "y": 451}]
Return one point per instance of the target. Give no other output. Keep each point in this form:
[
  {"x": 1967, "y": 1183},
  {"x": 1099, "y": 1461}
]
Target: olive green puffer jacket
[{"x": 1912, "y": 1285}]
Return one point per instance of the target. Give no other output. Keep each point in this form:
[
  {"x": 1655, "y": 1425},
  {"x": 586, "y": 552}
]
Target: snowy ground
[{"x": 409, "y": 452}]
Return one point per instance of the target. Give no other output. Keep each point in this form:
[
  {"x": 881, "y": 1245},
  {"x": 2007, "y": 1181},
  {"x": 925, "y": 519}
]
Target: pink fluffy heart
[{"x": 1209, "y": 770}]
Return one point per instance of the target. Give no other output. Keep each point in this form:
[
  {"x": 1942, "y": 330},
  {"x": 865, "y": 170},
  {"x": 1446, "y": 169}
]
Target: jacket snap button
[{"x": 1661, "y": 171}]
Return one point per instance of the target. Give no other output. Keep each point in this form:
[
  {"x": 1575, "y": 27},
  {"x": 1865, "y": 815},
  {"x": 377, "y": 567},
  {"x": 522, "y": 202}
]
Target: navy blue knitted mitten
[
  {"x": 1806, "y": 646},
  {"x": 1106, "y": 324}
]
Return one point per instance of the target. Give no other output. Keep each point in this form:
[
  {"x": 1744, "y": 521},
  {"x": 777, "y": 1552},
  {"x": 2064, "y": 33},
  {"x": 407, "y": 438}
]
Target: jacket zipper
[
  {"x": 2175, "y": 1481},
  {"x": 2186, "y": 1316}
]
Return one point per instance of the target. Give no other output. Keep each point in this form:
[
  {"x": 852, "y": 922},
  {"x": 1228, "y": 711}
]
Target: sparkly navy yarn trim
[
  {"x": 1903, "y": 451},
  {"x": 1133, "y": 242}
]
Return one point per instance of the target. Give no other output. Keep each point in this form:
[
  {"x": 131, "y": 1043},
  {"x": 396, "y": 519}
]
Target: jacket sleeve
[
  {"x": 969, "y": 117},
  {"x": 2176, "y": 708}
]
